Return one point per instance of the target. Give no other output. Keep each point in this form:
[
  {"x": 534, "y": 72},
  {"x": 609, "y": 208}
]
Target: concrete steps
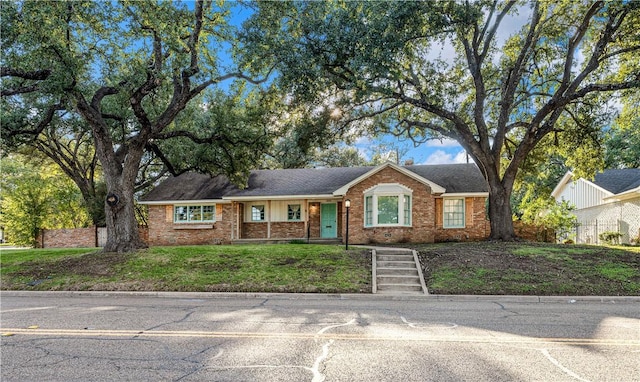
[{"x": 396, "y": 272}]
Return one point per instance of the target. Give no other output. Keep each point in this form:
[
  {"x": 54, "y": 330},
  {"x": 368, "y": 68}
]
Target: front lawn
[
  {"x": 531, "y": 269},
  {"x": 237, "y": 268},
  {"x": 449, "y": 268}
]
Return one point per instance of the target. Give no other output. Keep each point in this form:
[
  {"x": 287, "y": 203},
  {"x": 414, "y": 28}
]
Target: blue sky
[{"x": 431, "y": 152}]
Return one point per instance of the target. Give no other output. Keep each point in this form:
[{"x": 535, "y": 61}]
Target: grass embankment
[
  {"x": 531, "y": 269},
  {"x": 449, "y": 268},
  {"x": 254, "y": 268}
]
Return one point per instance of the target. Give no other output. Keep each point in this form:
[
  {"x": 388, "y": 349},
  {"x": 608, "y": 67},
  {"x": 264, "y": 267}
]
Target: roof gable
[
  {"x": 435, "y": 188},
  {"x": 611, "y": 181}
]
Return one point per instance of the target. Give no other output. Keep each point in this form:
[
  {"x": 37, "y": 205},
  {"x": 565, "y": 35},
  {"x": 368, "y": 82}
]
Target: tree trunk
[
  {"x": 122, "y": 227},
  {"x": 500, "y": 213}
]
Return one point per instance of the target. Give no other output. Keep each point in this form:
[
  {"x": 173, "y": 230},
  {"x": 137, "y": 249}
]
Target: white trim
[
  {"x": 401, "y": 193},
  {"x": 465, "y": 195},
  {"x": 188, "y": 221},
  {"x": 629, "y": 194},
  {"x": 560, "y": 186},
  {"x": 229, "y": 199},
  {"x": 563, "y": 182},
  {"x": 435, "y": 188},
  {"x": 464, "y": 213},
  {"x": 185, "y": 202},
  {"x": 372, "y": 189}
]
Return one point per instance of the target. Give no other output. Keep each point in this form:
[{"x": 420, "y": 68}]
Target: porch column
[
  {"x": 306, "y": 217},
  {"x": 268, "y": 219}
]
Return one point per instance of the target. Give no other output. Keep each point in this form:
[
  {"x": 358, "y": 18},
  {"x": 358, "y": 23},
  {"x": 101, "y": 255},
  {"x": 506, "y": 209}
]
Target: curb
[{"x": 337, "y": 296}]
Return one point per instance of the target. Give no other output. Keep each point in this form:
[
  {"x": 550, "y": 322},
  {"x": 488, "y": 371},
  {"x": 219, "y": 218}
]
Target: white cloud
[
  {"x": 446, "y": 142},
  {"x": 442, "y": 157}
]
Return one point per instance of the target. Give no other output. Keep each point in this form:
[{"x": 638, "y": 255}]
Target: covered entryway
[{"x": 328, "y": 221}]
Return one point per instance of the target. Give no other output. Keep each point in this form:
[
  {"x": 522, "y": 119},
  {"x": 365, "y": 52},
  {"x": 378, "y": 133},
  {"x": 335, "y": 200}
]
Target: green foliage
[
  {"x": 125, "y": 71},
  {"x": 622, "y": 143},
  {"x": 548, "y": 213},
  {"x": 610, "y": 237},
  {"x": 380, "y": 63},
  {"x": 36, "y": 196}
]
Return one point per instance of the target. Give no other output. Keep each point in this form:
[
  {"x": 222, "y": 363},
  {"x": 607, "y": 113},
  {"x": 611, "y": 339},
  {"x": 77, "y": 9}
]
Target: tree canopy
[
  {"x": 384, "y": 66},
  {"x": 34, "y": 194},
  {"x": 125, "y": 72}
]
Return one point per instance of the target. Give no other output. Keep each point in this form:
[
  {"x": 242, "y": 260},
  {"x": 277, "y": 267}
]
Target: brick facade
[
  {"x": 89, "y": 237},
  {"x": 294, "y": 230},
  {"x": 68, "y": 238},
  {"x": 476, "y": 224},
  {"x": 254, "y": 230},
  {"x": 426, "y": 215},
  {"x": 422, "y": 217},
  {"x": 163, "y": 231},
  {"x": 426, "y": 219}
]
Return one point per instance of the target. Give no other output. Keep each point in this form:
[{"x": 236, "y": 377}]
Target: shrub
[{"x": 610, "y": 237}]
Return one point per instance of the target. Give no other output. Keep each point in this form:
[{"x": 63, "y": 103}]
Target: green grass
[
  {"x": 254, "y": 268},
  {"x": 530, "y": 269},
  {"x": 449, "y": 268}
]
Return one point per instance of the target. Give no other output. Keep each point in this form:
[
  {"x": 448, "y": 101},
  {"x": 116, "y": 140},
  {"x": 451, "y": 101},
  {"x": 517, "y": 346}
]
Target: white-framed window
[
  {"x": 194, "y": 213},
  {"x": 387, "y": 205},
  {"x": 368, "y": 207},
  {"x": 257, "y": 213},
  {"x": 293, "y": 212},
  {"x": 407, "y": 209},
  {"x": 453, "y": 213}
]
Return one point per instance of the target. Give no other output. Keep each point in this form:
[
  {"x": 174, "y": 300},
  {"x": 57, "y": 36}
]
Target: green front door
[{"x": 328, "y": 221}]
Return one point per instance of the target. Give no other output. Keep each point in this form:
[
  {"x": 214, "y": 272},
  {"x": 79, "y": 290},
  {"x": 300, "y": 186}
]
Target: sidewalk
[{"x": 345, "y": 296}]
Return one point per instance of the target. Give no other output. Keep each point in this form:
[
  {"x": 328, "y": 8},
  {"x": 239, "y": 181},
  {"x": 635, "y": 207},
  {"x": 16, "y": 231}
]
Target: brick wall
[
  {"x": 68, "y": 238},
  {"x": 423, "y": 212},
  {"x": 254, "y": 230},
  {"x": 476, "y": 228},
  {"x": 288, "y": 230},
  {"x": 163, "y": 231},
  {"x": 314, "y": 219},
  {"x": 77, "y": 237}
]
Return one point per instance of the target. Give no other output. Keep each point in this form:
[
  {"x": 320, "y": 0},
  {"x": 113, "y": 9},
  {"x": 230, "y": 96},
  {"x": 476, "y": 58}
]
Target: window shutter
[
  {"x": 468, "y": 211},
  {"x": 168, "y": 215}
]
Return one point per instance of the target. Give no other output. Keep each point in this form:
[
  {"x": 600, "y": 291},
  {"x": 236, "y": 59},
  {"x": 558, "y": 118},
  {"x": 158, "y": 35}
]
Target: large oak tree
[
  {"x": 128, "y": 70},
  {"x": 386, "y": 66}
]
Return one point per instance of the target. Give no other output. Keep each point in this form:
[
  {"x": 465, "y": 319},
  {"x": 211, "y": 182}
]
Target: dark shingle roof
[
  {"x": 454, "y": 178},
  {"x": 617, "y": 181},
  {"x": 302, "y": 181},
  {"x": 461, "y": 177},
  {"x": 190, "y": 186}
]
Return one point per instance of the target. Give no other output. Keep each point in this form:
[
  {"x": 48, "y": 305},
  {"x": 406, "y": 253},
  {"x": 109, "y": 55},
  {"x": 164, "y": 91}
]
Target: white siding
[
  {"x": 277, "y": 212},
  {"x": 583, "y": 194}
]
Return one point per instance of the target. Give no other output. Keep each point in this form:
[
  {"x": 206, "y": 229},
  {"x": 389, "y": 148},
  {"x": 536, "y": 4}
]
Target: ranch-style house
[{"x": 388, "y": 204}]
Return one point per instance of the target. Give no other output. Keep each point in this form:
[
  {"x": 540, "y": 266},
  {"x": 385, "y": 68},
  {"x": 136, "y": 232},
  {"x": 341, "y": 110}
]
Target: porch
[{"x": 281, "y": 221}]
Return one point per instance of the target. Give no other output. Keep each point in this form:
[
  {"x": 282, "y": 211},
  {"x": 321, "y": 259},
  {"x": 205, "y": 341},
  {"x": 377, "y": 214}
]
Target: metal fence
[{"x": 589, "y": 232}]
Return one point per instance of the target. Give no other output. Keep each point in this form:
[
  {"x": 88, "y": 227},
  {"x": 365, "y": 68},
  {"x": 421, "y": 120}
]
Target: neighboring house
[
  {"x": 389, "y": 204},
  {"x": 611, "y": 202}
]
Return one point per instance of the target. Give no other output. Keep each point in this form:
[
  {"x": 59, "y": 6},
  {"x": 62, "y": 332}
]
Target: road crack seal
[{"x": 317, "y": 375}]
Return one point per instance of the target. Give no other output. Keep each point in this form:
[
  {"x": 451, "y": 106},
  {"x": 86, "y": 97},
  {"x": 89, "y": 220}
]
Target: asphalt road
[{"x": 203, "y": 337}]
